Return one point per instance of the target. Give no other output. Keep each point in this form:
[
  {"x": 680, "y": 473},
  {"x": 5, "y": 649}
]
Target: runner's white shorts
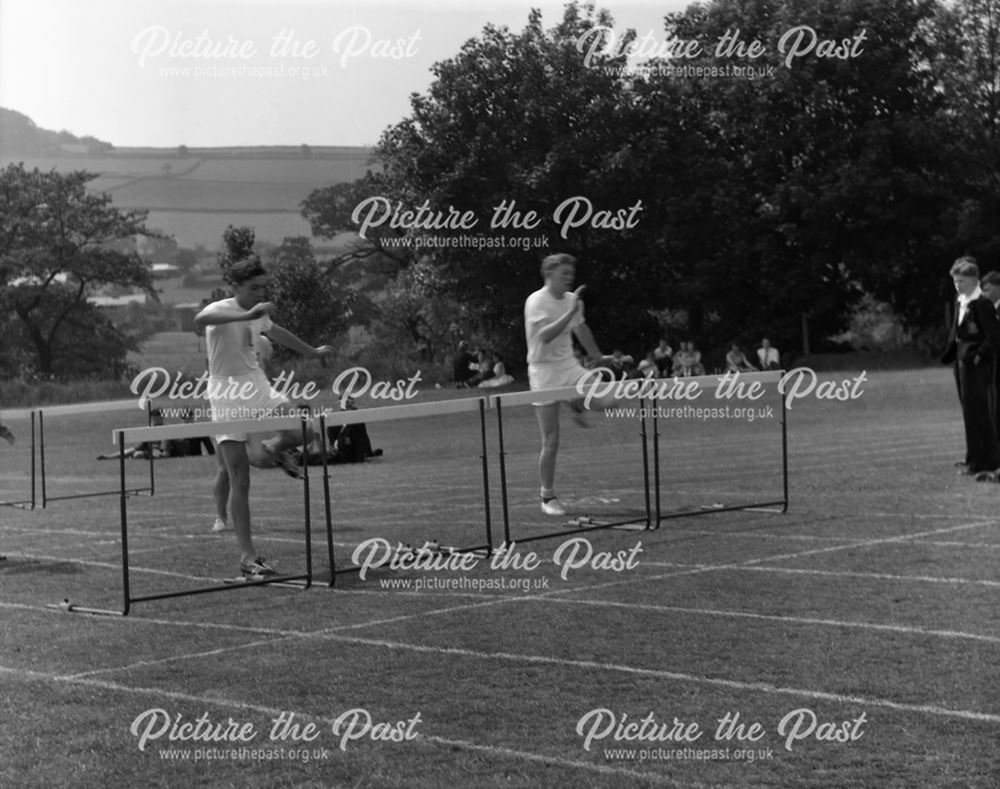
[
  {"x": 245, "y": 397},
  {"x": 554, "y": 375}
]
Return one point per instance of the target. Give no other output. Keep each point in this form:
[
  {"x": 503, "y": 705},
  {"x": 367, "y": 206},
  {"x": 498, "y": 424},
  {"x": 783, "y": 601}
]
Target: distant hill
[
  {"x": 19, "y": 134},
  {"x": 194, "y": 193}
]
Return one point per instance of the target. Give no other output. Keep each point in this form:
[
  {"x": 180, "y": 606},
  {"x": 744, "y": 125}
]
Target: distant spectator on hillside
[
  {"x": 461, "y": 367},
  {"x": 737, "y": 362},
  {"x": 768, "y": 356},
  {"x": 5, "y": 434}
]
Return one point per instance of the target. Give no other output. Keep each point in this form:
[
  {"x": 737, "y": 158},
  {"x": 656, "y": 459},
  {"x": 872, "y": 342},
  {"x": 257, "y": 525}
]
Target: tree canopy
[
  {"x": 58, "y": 242},
  {"x": 766, "y": 204}
]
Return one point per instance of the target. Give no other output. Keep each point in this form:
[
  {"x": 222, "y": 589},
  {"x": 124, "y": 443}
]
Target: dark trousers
[{"x": 977, "y": 391}]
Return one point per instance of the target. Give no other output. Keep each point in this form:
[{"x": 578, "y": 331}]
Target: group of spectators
[
  {"x": 171, "y": 448},
  {"x": 484, "y": 369},
  {"x": 768, "y": 358}
]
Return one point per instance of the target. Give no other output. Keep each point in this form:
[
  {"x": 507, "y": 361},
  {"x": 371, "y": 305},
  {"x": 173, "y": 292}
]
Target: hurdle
[
  {"x": 500, "y": 401},
  {"x": 25, "y": 504},
  {"x": 774, "y": 505},
  {"x": 398, "y": 412},
  {"x": 124, "y": 436},
  {"x": 88, "y": 408}
]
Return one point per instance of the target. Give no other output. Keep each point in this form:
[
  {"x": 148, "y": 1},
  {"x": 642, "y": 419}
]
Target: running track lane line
[{"x": 447, "y": 742}]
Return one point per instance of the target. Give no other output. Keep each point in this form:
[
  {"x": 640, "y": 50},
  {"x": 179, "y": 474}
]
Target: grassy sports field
[{"x": 868, "y": 613}]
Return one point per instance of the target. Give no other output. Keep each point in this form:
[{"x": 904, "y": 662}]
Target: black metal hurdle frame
[
  {"x": 392, "y": 413},
  {"x": 779, "y": 506},
  {"x": 27, "y": 504},
  {"x": 569, "y": 393},
  {"x": 301, "y": 581},
  {"x": 111, "y": 406}
]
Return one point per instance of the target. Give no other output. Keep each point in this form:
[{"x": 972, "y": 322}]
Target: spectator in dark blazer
[{"x": 972, "y": 345}]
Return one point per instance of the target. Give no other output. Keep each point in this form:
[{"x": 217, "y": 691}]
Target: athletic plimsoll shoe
[
  {"x": 258, "y": 568},
  {"x": 553, "y": 507},
  {"x": 219, "y": 525},
  {"x": 579, "y": 413},
  {"x": 289, "y": 465}
]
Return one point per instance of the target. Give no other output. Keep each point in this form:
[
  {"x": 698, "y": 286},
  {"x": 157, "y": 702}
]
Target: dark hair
[
  {"x": 991, "y": 278},
  {"x": 552, "y": 262},
  {"x": 245, "y": 269}
]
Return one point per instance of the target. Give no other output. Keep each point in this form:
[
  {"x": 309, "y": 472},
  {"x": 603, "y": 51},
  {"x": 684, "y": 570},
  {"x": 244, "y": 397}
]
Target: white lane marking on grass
[
  {"x": 286, "y": 635},
  {"x": 114, "y": 537},
  {"x": 762, "y": 687},
  {"x": 800, "y": 620},
  {"x": 333, "y": 634},
  {"x": 707, "y": 568},
  {"x": 876, "y": 576},
  {"x": 273, "y": 712},
  {"x": 110, "y": 565}
]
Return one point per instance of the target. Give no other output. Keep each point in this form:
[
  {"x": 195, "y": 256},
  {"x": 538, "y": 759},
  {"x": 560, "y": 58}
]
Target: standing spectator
[
  {"x": 737, "y": 362},
  {"x": 461, "y": 367},
  {"x": 663, "y": 355},
  {"x": 972, "y": 344},
  {"x": 990, "y": 285},
  {"x": 768, "y": 356}
]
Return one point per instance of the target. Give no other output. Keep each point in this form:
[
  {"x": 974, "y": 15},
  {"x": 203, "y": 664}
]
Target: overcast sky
[{"x": 161, "y": 72}]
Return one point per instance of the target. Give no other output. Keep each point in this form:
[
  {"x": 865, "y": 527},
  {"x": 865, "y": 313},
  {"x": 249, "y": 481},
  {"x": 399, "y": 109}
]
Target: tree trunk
[{"x": 805, "y": 334}]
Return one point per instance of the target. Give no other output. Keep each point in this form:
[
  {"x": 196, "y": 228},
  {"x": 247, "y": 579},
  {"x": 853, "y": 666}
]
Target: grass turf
[{"x": 875, "y": 595}]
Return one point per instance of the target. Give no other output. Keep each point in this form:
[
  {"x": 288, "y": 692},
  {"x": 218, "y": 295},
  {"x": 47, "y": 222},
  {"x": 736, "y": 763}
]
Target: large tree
[
  {"x": 767, "y": 205},
  {"x": 58, "y": 242}
]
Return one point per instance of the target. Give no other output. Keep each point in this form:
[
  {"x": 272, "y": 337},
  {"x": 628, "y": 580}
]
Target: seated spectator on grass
[
  {"x": 344, "y": 443},
  {"x": 189, "y": 447},
  {"x": 621, "y": 364},
  {"x": 769, "y": 357},
  {"x": 462, "y": 366},
  {"x": 484, "y": 369},
  {"x": 682, "y": 361},
  {"x": 500, "y": 375},
  {"x": 694, "y": 357},
  {"x": 5, "y": 434},
  {"x": 648, "y": 367},
  {"x": 146, "y": 448},
  {"x": 663, "y": 355},
  {"x": 737, "y": 362}
]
